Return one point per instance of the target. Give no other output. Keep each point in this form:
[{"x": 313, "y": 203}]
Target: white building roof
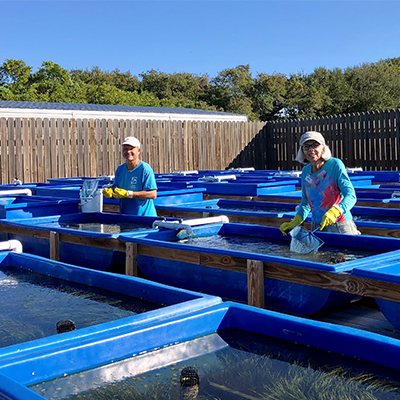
[{"x": 28, "y": 109}]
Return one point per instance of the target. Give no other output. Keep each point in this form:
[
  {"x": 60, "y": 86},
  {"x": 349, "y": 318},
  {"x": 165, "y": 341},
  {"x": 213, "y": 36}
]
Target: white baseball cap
[{"x": 132, "y": 141}]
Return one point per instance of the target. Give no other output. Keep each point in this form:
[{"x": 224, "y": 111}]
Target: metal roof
[{"x": 75, "y": 110}]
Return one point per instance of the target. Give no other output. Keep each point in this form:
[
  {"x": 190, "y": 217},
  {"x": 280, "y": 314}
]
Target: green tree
[
  {"x": 14, "y": 79},
  {"x": 107, "y": 94},
  {"x": 52, "y": 83},
  {"x": 268, "y": 96},
  {"x": 121, "y": 80},
  {"x": 375, "y": 86},
  {"x": 231, "y": 91},
  {"x": 320, "y": 93},
  {"x": 177, "y": 90}
]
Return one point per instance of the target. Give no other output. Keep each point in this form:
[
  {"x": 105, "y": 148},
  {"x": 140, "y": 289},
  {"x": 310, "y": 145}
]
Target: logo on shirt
[{"x": 134, "y": 181}]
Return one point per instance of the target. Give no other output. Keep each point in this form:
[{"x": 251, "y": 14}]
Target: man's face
[{"x": 130, "y": 153}]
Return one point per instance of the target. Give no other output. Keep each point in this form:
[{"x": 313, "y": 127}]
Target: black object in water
[
  {"x": 189, "y": 377},
  {"x": 189, "y": 384},
  {"x": 65, "y": 325}
]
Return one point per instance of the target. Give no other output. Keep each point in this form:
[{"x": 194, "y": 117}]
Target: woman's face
[{"x": 312, "y": 150}]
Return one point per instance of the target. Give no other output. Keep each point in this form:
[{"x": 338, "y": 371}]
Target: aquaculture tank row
[
  {"x": 226, "y": 351},
  {"x": 75, "y": 328}
]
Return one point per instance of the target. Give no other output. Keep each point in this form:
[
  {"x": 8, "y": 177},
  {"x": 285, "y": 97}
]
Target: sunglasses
[{"x": 313, "y": 146}]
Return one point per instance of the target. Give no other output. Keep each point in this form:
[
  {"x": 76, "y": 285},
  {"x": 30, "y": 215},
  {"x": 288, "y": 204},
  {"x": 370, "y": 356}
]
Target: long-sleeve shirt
[{"x": 321, "y": 190}]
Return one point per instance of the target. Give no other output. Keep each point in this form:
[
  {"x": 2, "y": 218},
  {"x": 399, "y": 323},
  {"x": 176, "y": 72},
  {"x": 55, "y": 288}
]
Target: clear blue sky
[{"x": 200, "y": 37}]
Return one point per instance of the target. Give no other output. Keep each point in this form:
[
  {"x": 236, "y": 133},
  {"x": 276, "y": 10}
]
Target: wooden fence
[
  {"x": 367, "y": 140},
  {"x": 34, "y": 150}
]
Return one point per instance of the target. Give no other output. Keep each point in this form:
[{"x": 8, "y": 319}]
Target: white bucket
[{"x": 94, "y": 204}]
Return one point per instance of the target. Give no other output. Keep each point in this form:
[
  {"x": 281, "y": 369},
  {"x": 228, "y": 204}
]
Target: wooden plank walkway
[{"x": 362, "y": 314}]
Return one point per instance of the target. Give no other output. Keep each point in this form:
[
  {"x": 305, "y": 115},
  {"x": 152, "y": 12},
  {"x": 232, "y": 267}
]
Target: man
[{"x": 134, "y": 183}]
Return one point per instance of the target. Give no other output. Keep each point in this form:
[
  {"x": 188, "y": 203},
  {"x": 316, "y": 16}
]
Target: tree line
[{"x": 264, "y": 97}]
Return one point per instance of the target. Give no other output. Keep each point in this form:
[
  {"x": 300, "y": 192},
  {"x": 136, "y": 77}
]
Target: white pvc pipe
[
  {"x": 183, "y": 224},
  {"x": 356, "y": 169},
  {"x": 209, "y": 220},
  {"x": 173, "y": 225},
  {"x": 288, "y": 173},
  {"x": 184, "y": 173},
  {"x": 218, "y": 178},
  {"x": 27, "y": 192},
  {"x": 241, "y": 169},
  {"x": 11, "y": 245}
]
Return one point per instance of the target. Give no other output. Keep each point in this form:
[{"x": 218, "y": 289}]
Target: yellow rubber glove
[
  {"x": 121, "y": 193},
  {"x": 108, "y": 192},
  {"x": 330, "y": 217},
  {"x": 287, "y": 226}
]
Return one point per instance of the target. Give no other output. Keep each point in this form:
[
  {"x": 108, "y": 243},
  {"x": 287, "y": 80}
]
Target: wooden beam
[
  {"x": 104, "y": 243},
  {"x": 23, "y": 231},
  {"x": 394, "y": 233},
  {"x": 112, "y": 208},
  {"x": 381, "y": 204},
  {"x": 169, "y": 254},
  {"x": 255, "y": 283},
  {"x": 131, "y": 267},
  {"x": 54, "y": 246},
  {"x": 342, "y": 282},
  {"x": 109, "y": 243}
]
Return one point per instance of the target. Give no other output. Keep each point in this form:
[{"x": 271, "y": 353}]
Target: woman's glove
[
  {"x": 287, "y": 226},
  {"x": 122, "y": 193},
  {"x": 330, "y": 217},
  {"x": 108, "y": 192}
]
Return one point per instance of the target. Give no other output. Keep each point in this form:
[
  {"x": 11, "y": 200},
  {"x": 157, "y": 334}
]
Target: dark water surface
[
  {"x": 326, "y": 254},
  {"x": 33, "y": 303},
  {"x": 231, "y": 365}
]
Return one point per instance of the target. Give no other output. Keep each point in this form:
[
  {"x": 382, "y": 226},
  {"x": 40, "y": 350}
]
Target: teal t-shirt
[
  {"x": 139, "y": 179},
  {"x": 321, "y": 190}
]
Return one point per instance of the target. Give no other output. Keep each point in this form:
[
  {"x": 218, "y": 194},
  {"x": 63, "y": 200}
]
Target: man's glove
[
  {"x": 122, "y": 193},
  {"x": 330, "y": 217},
  {"x": 287, "y": 226},
  {"x": 108, "y": 192}
]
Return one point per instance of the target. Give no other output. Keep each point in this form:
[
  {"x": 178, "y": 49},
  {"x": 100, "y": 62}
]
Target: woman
[{"x": 326, "y": 189}]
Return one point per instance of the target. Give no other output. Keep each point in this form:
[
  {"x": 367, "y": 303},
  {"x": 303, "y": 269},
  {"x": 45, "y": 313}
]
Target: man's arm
[{"x": 143, "y": 195}]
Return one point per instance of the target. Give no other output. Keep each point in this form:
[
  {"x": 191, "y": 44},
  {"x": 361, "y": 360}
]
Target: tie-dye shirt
[{"x": 321, "y": 190}]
